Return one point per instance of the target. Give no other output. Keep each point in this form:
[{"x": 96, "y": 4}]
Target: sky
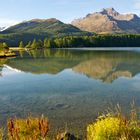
[{"x": 15, "y": 11}]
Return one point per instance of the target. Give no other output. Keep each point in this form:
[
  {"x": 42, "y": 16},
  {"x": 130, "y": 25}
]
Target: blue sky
[{"x": 14, "y": 11}]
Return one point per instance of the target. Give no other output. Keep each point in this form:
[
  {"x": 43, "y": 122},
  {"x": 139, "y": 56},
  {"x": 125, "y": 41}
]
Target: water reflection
[
  {"x": 110, "y": 66},
  {"x": 105, "y": 66}
]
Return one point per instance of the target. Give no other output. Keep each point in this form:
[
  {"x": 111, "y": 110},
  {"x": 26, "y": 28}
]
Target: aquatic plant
[{"x": 28, "y": 129}]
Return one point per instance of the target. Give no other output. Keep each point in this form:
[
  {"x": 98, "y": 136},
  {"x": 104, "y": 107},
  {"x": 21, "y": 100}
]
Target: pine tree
[
  {"x": 35, "y": 44},
  {"x": 5, "y": 46},
  {"x": 21, "y": 45},
  {"x": 28, "y": 45},
  {"x": 47, "y": 43}
]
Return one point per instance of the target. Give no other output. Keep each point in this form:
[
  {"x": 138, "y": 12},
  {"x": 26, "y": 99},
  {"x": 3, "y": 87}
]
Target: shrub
[
  {"x": 114, "y": 127},
  {"x": 106, "y": 128},
  {"x": 1, "y": 134},
  {"x": 30, "y": 128}
]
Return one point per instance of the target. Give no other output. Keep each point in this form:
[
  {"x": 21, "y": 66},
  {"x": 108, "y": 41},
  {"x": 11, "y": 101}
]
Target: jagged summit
[
  {"x": 110, "y": 11},
  {"x": 109, "y": 21}
]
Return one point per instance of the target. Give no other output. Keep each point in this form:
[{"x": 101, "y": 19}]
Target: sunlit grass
[
  {"x": 109, "y": 126},
  {"x": 115, "y": 126},
  {"x": 1, "y": 134}
]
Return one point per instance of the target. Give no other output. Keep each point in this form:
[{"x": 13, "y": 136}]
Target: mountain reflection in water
[{"x": 105, "y": 66}]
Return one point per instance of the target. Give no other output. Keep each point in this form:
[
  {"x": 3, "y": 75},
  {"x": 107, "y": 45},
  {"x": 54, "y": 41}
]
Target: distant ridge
[
  {"x": 38, "y": 29},
  {"x": 109, "y": 21},
  {"x": 2, "y": 29},
  {"x": 42, "y": 25}
]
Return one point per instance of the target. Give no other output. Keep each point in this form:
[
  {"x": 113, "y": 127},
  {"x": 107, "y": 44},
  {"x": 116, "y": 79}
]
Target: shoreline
[
  {"x": 8, "y": 55},
  {"x": 104, "y": 48},
  {"x": 17, "y": 49}
]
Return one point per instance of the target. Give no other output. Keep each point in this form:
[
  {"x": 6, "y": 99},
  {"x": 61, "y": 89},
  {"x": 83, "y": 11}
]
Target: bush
[
  {"x": 106, "y": 128},
  {"x": 30, "y": 128},
  {"x": 114, "y": 127},
  {"x": 1, "y": 134}
]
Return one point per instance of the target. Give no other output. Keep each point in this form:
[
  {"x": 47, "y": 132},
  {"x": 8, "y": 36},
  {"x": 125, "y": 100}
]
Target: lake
[{"x": 70, "y": 86}]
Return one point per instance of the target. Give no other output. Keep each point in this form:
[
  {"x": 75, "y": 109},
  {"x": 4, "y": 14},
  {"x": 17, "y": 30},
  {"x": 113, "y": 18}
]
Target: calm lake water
[{"x": 69, "y": 86}]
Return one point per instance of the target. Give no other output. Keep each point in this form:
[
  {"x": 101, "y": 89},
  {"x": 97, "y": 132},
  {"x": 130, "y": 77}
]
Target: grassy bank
[
  {"x": 17, "y": 49},
  {"x": 7, "y": 54},
  {"x": 5, "y": 51},
  {"x": 109, "y": 126}
]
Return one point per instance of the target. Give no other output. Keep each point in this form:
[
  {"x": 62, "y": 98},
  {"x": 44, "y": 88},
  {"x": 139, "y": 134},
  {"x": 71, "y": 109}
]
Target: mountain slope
[
  {"x": 109, "y": 21},
  {"x": 39, "y": 29},
  {"x": 45, "y": 26},
  {"x": 2, "y": 28}
]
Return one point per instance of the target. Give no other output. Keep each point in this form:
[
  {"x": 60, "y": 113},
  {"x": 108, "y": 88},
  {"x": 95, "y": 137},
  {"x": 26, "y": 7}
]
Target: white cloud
[
  {"x": 137, "y": 4},
  {"x": 4, "y": 22}
]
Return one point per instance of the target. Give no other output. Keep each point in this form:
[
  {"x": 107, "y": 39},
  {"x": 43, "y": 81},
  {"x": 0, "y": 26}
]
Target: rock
[
  {"x": 66, "y": 136},
  {"x": 109, "y": 21}
]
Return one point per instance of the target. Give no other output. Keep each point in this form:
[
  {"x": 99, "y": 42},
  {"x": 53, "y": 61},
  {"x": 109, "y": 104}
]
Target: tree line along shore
[
  {"x": 116, "y": 40},
  {"x": 84, "y": 41}
]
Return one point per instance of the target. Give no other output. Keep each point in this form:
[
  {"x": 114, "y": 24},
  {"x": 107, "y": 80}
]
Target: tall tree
[
  {"x": 47, "y": 43},
  {"x": 28, "y": 45},
  {"x": 35, "y": 44},
  {"x": 21, "y": 45}
]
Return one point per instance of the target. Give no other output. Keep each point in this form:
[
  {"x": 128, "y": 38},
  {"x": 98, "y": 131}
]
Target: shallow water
[{"x": 69, "y": 86}]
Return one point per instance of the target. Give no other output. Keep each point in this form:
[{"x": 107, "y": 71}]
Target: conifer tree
[{"x": 21, "y": 45}]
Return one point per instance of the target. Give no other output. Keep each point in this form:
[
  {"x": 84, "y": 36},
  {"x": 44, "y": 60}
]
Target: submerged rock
[{"x": 64, "y": 106}]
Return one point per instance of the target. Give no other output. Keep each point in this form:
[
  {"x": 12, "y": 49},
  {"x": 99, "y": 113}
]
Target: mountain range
[
  {"x": 39, "y": 29},
  {"x": 109, "y": 21},
  {"x": 106, "y": 21},
  {"x": 46, "y": 26}
]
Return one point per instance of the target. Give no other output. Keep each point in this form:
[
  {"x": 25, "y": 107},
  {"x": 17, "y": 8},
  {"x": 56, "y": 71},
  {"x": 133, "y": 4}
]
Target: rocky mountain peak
[
  {"x": 109, "y": 11},
  {"x": 109, "y": 21}
]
